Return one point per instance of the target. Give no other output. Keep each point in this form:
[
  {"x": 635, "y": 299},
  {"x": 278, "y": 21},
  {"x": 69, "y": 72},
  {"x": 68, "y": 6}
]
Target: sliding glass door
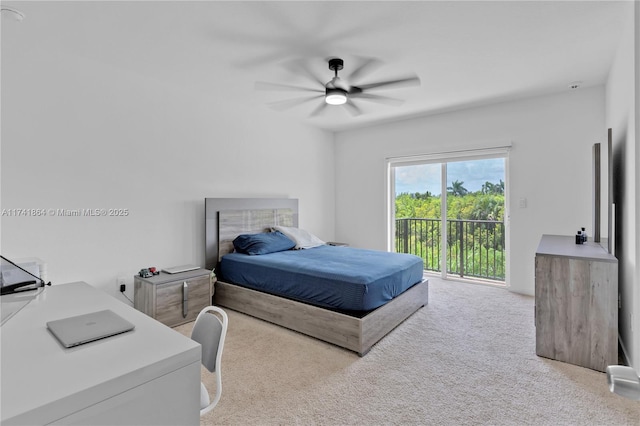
[
  {"x": 452, "y": 213},
  {"x": 417, "y": 211},
  {"x": 475, "y": 219}
]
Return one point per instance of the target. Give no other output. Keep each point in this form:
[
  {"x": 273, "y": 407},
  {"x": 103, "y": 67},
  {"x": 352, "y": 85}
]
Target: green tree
[
  {"x": 493, "y": 188},
  {"x": 456, "y": 189},
  {"x": 476, "y": 233}
]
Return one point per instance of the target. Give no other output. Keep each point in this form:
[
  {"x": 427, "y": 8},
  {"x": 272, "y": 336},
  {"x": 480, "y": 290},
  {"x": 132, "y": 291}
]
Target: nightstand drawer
[
  {"x": 173, "y": 299},
  {"x": 170, "y": 308}
]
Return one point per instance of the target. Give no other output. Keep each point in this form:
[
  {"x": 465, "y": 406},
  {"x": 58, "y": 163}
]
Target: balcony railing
[{"x": 475, "y": 248}]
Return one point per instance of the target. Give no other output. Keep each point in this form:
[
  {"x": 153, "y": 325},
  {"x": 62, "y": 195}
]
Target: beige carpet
[{"x": 467, "y": 358}]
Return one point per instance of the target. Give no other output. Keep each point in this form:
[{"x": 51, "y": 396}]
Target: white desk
[{"x": 149, "y": 376}]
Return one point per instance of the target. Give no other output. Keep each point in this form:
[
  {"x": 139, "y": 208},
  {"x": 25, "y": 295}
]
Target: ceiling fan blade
[
  {"x": 407, "y": 81},
  {"x": 352, "y": 108},
  {"x": 377, "y": 98},
  {"x": 318, "y": 109},
  {"x": 290, "y": 103},
  {"x": 365, "y": 67},
  {"x": 263, "y": 85},
  {"x": 300, "y": 65}
]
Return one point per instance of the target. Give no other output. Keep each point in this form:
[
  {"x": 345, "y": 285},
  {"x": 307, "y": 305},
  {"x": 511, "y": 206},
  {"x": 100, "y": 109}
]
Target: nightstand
[{"x": 173, "y": 299}]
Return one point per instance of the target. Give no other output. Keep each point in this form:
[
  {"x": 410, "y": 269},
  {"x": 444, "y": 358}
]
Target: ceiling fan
[{"x": 339, "y": 91}]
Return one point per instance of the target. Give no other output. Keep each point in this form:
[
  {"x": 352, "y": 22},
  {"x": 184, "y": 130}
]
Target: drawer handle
[{"x": 185, "y": 298}]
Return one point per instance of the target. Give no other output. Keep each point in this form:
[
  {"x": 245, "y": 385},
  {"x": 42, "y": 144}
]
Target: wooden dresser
[
  {"x": 576, "y": 310},
  {"x": 173, "y": 299}
]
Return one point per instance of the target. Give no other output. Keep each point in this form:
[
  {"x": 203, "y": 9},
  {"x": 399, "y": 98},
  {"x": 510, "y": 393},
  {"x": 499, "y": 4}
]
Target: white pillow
[{"x": 302, "y": 238}]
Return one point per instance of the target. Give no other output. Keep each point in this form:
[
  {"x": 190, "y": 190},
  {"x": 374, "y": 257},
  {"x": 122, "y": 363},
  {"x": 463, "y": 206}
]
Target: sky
[{"x": 426, "y": 177}]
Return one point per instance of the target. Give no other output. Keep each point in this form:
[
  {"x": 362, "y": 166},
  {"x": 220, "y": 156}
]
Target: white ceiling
[{"x": 465, "y": 53}]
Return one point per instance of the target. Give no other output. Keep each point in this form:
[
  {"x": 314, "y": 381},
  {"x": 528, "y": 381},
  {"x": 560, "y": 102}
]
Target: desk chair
[{"x": 210, "y": 332}]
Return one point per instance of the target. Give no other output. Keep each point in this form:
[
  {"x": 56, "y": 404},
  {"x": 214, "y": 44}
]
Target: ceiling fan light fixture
[{"x": 335, "y": 97}]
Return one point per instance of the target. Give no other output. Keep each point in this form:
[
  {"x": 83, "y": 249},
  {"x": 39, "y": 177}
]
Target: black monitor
[{"x": 17, "y": 278}]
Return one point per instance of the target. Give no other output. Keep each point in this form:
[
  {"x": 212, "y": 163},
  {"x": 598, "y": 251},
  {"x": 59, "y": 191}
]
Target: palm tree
[
  {"x": 488, "y": 188},
  {"x": 456, "y": 189}
]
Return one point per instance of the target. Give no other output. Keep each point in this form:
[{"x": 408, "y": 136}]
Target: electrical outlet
[{"x": 122, "y": 283}]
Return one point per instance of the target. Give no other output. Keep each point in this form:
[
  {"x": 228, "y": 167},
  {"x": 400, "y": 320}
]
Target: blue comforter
[{"x": 342, "y": 278}]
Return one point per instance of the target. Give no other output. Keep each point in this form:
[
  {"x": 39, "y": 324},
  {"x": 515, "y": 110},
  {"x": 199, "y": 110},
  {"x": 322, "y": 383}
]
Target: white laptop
[
  {"x": 181, "y": 268},
  {"x": 77, "y": 330}
]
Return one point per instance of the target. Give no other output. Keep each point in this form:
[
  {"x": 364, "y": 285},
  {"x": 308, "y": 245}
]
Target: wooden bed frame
[{"x": 226, "y": 218}]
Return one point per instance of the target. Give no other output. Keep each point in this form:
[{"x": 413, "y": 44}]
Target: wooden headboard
[{"x": 260, "y": 214}]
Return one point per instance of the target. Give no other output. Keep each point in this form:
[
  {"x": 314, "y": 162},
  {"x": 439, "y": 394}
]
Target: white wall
[
  {"x": 622, "y": 117},
  {"x": 77, "y": 134},
  {"x": 550, "y": 166},
  {"x": 635, "y": 353}
]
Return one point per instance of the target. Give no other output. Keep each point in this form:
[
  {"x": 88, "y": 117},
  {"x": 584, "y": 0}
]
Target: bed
[{"x": 354, "y": 314}]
